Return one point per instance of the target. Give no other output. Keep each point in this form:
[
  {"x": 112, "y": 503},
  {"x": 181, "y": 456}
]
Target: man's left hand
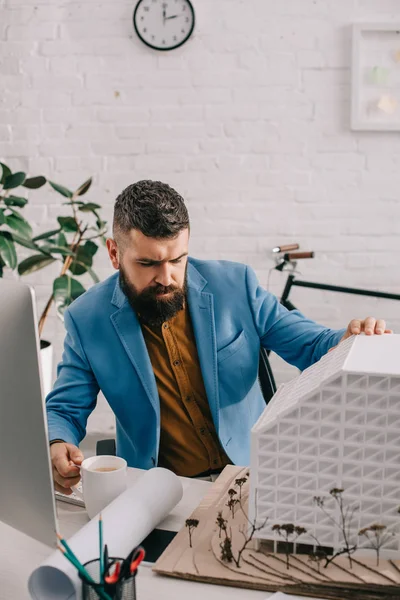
[{"x": 369, "y": 326}]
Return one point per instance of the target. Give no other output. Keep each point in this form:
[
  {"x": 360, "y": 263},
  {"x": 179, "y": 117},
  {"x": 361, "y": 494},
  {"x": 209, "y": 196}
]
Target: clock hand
[
  {"x": 173, "y": 17},
  {"x": 164, "y": 13}
]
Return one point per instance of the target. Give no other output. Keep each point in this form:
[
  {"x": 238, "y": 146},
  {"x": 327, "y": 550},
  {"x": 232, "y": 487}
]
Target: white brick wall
[{"x": 249, "y": 121}]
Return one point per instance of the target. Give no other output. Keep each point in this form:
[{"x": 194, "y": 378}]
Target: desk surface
[{"x": 20, "y": 555}]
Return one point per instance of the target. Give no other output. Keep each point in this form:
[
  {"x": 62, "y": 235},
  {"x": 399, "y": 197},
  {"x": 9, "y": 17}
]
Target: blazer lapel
[
  {"x": 129, "y": 331},
  {"x": 201, "y": 308}
]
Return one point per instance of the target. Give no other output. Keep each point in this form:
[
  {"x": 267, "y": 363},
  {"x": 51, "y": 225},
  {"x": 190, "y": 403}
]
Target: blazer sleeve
[
  {"x": 74, "y": 395},
  {"x": 298, "y": 340}
]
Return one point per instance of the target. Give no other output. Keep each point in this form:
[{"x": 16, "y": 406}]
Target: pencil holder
[{"x": 123, "y": 590}]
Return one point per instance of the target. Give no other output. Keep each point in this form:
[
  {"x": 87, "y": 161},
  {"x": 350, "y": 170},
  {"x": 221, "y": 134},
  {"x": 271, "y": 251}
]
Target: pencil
[
  {"x": 84, "y": 574},
  {"x": 67, "y": 547}
]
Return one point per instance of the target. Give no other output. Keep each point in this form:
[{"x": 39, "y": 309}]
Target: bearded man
[{"x": 173, "y": 343}]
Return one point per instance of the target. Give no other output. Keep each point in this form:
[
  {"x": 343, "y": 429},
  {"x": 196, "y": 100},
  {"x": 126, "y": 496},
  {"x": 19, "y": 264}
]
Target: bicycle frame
[{"x": 293, "y": 282}]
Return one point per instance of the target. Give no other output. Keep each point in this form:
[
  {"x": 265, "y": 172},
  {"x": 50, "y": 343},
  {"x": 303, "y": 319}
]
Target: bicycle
[{"x": 286, "y": 259}]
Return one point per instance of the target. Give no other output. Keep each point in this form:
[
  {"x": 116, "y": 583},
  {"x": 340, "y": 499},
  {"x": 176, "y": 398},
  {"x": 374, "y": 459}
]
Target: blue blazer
[{"x": 232, "y": 315}]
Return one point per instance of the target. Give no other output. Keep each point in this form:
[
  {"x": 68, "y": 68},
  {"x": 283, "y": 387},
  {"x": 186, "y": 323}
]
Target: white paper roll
[{"x": 126, "y": 522}]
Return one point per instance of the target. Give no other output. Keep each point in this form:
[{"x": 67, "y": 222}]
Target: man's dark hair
[{"x": 152, "y": 207}]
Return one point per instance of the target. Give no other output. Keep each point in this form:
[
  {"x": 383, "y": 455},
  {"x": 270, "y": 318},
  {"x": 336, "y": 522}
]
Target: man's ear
[{"x": 113, "y": 252}]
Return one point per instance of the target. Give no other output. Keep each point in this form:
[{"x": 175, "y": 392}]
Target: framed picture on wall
[{"x": 375, "y": 81}]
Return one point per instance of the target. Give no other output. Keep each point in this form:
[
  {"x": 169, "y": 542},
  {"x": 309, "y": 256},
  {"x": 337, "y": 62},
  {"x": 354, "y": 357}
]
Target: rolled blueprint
[{"x": 126, "y": 522}]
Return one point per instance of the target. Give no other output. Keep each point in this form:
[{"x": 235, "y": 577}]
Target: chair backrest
[{"x": 265, "y": 376}]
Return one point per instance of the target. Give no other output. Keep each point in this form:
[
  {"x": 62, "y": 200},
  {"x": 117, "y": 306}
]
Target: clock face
[{"x": 164, "y": 24}]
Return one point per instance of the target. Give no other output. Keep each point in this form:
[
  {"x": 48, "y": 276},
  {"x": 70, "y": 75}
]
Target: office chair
[{"x": 267, "y": 384}]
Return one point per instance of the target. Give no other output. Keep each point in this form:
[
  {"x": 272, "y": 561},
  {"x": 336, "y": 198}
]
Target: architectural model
[
  {"x": 335, "y": 427},
  {"x": 220, "y": 549},
  {"x": 317, "y": 513}
]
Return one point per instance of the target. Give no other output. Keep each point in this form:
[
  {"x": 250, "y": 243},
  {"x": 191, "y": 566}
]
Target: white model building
[{"x": 337, "y": 425}]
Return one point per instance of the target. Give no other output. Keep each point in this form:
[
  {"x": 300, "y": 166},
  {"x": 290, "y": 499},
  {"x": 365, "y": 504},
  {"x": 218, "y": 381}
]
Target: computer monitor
[{"x": 26, "y": 484}]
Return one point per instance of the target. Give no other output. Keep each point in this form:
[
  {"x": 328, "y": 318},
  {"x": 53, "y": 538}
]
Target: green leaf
[
  {"x": 101, "y": 224},
  {"x": 26, "y": 243},
  {"x": 47, "y": 234},
  {"x": 15, "y": 201},
  {"x": 34, "y": 263},
  {"x": 90, "y": 247},
  {"x": 13, "y": 181},
  {"x": 54, "y": 249},
  {"x": 5, "y": 172},
  {"x": 2, "y": 217},
  {"x": 93, "y": 275},
  {"x": 89, "y": 207},
  {"x": 83, "y": 188},
  {"x": 16, "y": 222},
  {"x": 81, "y": 261},
  {"x": 33, "y": 183},
  {"x": 62, "y": 240},
  {"x": 7, "y": 249},
  {"x": 68, "y": 223},
  {"x": 61, "y": 189},
  {"x": 65, "y": 290}
]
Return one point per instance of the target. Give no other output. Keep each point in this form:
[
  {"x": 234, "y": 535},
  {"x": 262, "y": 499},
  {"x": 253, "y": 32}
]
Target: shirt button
[
  {"x": 215, "y": 462},
  {"x": 188, "y": 398},
  {"x": 177, "y": 363},
  {"x": 165, "y": 325},
  {"x": 202, "y": 431}
]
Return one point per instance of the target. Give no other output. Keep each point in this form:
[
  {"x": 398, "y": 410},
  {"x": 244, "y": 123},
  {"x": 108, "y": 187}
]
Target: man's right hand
[{"x": 65, "y": 460}]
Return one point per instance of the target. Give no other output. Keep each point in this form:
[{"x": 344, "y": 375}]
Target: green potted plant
[{"x": 73, "y": 243}]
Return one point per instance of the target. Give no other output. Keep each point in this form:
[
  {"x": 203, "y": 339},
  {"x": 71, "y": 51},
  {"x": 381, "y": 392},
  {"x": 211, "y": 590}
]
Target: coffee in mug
[{"x": 105, "y": 469}]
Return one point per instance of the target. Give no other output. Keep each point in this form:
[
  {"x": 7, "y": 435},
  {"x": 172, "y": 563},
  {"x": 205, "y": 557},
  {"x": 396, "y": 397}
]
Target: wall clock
[{"x": 164, "y": 24}]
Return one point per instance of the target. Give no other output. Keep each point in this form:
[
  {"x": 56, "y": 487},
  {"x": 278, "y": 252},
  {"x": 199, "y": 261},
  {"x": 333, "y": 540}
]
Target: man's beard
[{"x": 151, "y": 310}]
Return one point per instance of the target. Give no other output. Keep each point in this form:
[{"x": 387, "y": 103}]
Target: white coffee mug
[{"x": 103, "y": 479}]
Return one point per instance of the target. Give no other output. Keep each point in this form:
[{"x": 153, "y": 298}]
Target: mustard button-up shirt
[{"x": 189, "y": 444}]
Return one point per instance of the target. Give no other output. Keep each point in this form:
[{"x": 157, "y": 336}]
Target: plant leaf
[
  {"x": 65, "y": 290},
  {"x": 90, "y": 247},
  {"x": 83, "y": 188},
  {"x": 15, "y": 201},
  {"x": 33, "y": 183},
  {"x": 81, "y": 261},
  {"x": 6, "y": 171},
  {"x": 62, "y": 240},
  {"x": 93, "y": 275},
  {"x": 89, "y": 207},
  {"x": 7, "y": 249},
  {"x": 19, "y": 224},
  {"x": 55, "y": 249},
  {"x": 47, "y": 234},
  {"x": 68, "y": 223},
  {"x": 61, "y": 189},
  {"x": 100, "y": 223},
  {"x": 34, "y": 263},
  {"x": 14, "y": 180},
  {"x": 26, "y": 243},
  {"x": 2, "y": 217}
]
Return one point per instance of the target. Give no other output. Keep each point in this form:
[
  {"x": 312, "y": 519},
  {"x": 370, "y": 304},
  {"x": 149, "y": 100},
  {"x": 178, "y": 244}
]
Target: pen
[
  {"x": 105, "y": 565},
  {"x": 101, "y": 556}
]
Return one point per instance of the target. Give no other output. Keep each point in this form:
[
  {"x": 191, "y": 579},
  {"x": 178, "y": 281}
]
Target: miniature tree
[
  {"x": 240, "y": 483},
  {"x": 191, "y": 524},
  {"x": 248, "y": 534},
  {"x": 221, "y": 522},
  {"x": 226, "y": 550},
  {"x": 378, "y": 536},
  {"x": 290, "y": 534},
  {"x": 344, "y": 525},
  {"x": 232, "y": 502}
]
